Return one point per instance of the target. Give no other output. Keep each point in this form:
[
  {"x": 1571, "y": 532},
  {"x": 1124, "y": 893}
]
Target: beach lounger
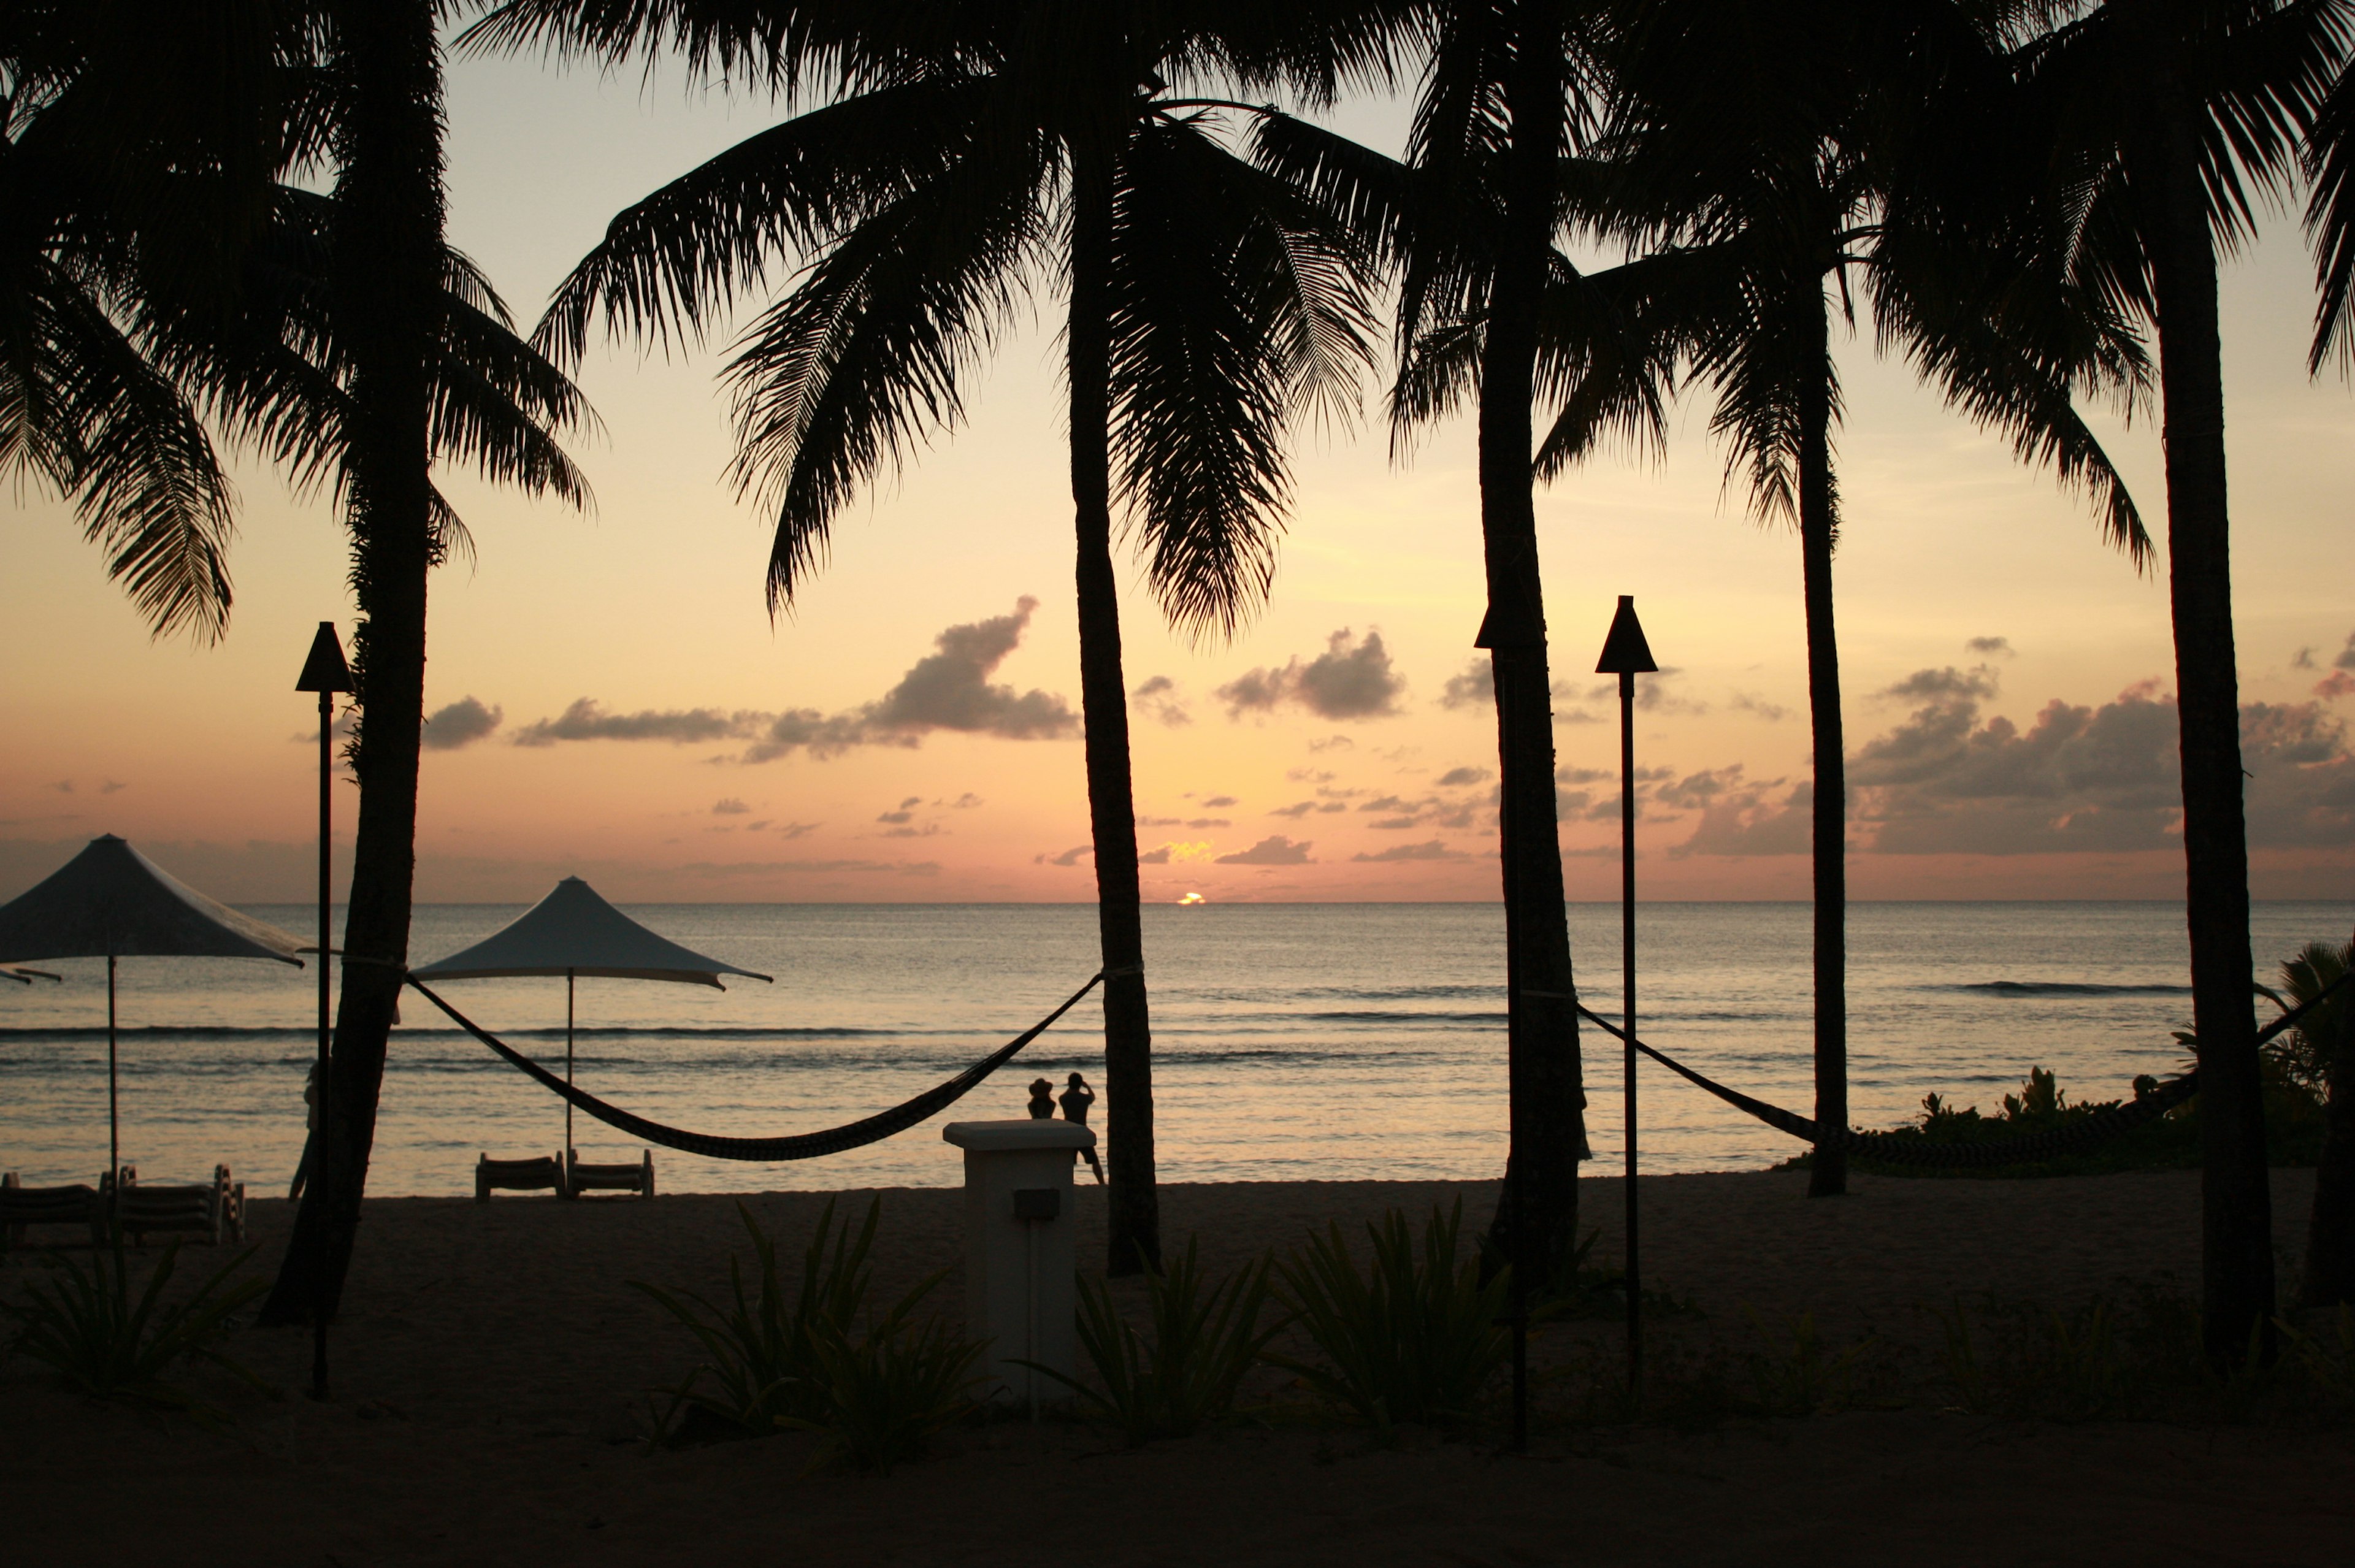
[
  {"x": 215, "y": 1212},
  {"x": 619, "y": 1178},
  {"x": 544, "y": 1174},
  {"x": 22, "y": 1206}
]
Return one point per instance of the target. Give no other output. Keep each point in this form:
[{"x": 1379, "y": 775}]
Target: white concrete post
[{"x": 1020, "y": 1250}]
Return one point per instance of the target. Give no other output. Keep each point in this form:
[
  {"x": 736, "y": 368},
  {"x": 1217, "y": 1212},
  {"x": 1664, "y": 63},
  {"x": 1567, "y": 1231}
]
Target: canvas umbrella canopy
[
  {"x": 574, "y": 932},
  {"x": 110, "y": 901}
]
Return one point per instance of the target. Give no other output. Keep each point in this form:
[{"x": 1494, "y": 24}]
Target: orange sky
[{"x": 2006, "y": 675}]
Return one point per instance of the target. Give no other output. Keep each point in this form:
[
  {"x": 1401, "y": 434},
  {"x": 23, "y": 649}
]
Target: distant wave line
[{"x": 2064, "y": 988}]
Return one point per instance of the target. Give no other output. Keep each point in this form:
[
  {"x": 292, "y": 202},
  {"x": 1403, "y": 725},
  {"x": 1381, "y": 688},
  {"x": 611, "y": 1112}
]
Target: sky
[{"x": 609, "y": 697}]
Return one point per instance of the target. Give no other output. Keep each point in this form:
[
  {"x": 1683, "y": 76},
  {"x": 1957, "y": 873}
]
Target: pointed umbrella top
[
  {"x": 325, "y": 669},
  {"x": 1625, "y": 651},
  {"x": 110, "y": 900},
  {"x": 573, "y": 931}
]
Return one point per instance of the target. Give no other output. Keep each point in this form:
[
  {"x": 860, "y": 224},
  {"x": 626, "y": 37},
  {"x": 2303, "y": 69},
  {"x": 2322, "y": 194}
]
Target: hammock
[
  {"x": 803, "y": 1145},
  {"x": 2104, "y": 1124}
]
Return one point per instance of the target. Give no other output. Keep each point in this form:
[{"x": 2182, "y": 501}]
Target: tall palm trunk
[
  {"x": 389, "y": 246},
  {"x": 2236, "y": 1205},
  {"x": 1136, "y": 1206},
  {"x": 1537, "y": 1224},
  {"x": 1818, "y": 536}
]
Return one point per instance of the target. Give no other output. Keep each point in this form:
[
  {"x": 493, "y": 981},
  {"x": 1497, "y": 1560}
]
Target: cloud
[
  {"x": 1302, "y": 808},
  {"x": 730, "y": 806},
  {"x": 1070, "y": 857},
  {"x": 63, "y": 787},
  {"x": 1199, "y": 823},
  {"x": 1274, "y": 850},
  {"x": 1989, "y": 647},
  {"x": 462, "y": 723},
  {"x": 1750, "y": 702},
  {"x": 1739, "y": 817},
  {"x": 946, "y": 690},
  {"x": 1333, "y": 743},
  {"x": 789, "y": 829},
  {"x": 1349, "y": 679},
  {"x": 903, "y": 812},
  {"x": 1160, "y": 699},
  {"x": 1219, "y": 802},
  {"x": 2303, "y": 658},
  {"x": 1456, "y": 777},
  {"x": 1432, "y": 851},
  {"x": 2103, "y": 777},
  {"x": 2338, "y": 683},
  {"x": 1473, "y": 687},
  {"x": 586, "y": 720},
  {"x": 1155, "y": 856},
  {"x": 1167, "y": 853},
  {"x": 112, "y": 785},
  {"x": 2346, "y": 660},
  {"x": 964, "y": 802}
]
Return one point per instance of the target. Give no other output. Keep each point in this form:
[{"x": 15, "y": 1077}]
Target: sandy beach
[{"x": 491, "y": 1366}]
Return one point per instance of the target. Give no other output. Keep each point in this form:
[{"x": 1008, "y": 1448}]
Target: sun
[{"x": 1190, "y": 899}]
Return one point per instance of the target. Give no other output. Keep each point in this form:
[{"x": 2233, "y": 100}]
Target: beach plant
[
  {"x": 85, "y": 1325},
  {"x": 1185, "y": 1373},
  {"x": 1415, "y": 1335},
  {"x": 1802, "y": 1375},
  {"x": 761, "y": 1348},
  {"x": 878, "y": 1397}
]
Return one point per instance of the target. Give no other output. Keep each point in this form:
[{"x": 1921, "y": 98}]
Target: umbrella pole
[
  {"x": 568, "y": 1073},
  {"x": 114, "y": 1121}
]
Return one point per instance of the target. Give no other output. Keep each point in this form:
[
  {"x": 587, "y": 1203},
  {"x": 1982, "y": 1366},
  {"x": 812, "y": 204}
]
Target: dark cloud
[
  {"x": 2303, "y": 658},
  {"x": 2338, "y": 683},
  {"x": 1200, "y": 822},
  {"x": 63, "y": 787},
  {"x": 946, "y": 690},
  {"x": 903, "y": 813},
  {"x": 462, "y": 723},
  {"x": 1456, "y": 777},
  {"x": 791, "y": 829},
  {"x": 1310, "y": 776},
  {"x": 2346, "y": 660},
  {"x": 1302, "y": 808},
  {"x": 1750, "y": 702},
  {"x": 1218, "y": 802},
  {"x": 1990, "y": 647},
  {"x": 1739, "y": 817},
  {"x": 730, "y": 806},
  {"x": 587, "y": 719},
  {"x": 111, "y": 786},
  {"x": 1432, "y": 851},
  {"x": 1070, "y": 857},
  {"x": 1155, "y": 856},
  {"x": 1275, "y": 851},
  {"x": 1159, "y": 699},
  {"x": 1351, "y": 679},
  {"x": 1333, "y": 743},
  {"x": 1947, "y": 685},
  {"x": 964, "y": 802},
  {"x": 1473, "y": 687}
]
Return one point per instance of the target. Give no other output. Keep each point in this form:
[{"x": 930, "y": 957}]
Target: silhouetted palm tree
[
  {"x": 970, "y": 157},
  {"x": 1490, "y": 307},
  {"x": 1779, "y": 154},
  {"x": 2158, "y": 121}
]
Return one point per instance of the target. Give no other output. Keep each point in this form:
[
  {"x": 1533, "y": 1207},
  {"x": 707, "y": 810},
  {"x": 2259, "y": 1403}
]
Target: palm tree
[
  {"x": 1771, "y": 156},
  {"x": 116, "y": 168},
  {"x": 2159, "y": 121},
  {"x": 1489, "y": 306},
  {"x": 2320, "y": 1052},
  {"x": 967, "y": 159}
]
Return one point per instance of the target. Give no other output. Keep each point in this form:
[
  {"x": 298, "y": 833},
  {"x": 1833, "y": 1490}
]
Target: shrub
[
  {"x": 761, "y": 1348},
  {"x": 1807, "y": 1377},
  {"x": 84, "y": 1325},
  {"x": 1202, "y": 1343},
  {"x": 1415, "y": 1337},
  {"x": 880, "y": 1397}
]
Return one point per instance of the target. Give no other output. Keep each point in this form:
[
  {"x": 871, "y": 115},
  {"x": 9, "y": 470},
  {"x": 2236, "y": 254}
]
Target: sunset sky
[{"x": 611, "y": 697}]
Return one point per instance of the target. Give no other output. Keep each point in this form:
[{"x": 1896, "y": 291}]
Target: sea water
[{"x": 1290, "y": 1041}]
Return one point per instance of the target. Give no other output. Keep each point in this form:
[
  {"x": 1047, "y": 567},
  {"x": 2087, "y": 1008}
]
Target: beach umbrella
[
  {"x": 573, "y": 931},
  {"x": 110, "y": 901}
]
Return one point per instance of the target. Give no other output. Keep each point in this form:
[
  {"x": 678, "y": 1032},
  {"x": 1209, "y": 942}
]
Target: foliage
[
  {"x": 1414, "y": 1338},
  {"x": 878, "y": 1397},
  {"x": 2323, "y": 1044},
  {"x": 1202, "y": 1343},
  {"x": 84, "y": 1325},
  {"x": 761, "y": 1350},
  {"x": 1805, "y": 1376},
  {"x": 779, "y": 1358}
]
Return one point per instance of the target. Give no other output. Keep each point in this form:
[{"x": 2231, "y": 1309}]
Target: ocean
[{"x": 1291, "y": 1041}]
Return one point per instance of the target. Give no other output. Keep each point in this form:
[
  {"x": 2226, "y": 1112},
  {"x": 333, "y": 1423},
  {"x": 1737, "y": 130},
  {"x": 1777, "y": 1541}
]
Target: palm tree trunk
[
  {"x": 1818, "y": 536},
  {"x": 2236, "y": 1205},
  {"x": 389, "y": 240},
  {"x": 1537, "y": 1222},
  {"x": 1135, "y": 1221}
]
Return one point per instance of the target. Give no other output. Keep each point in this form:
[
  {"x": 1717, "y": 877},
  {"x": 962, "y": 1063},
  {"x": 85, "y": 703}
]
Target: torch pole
[
  {"x": 1627, "y": 999},
  {"x": 322, "y": 1104}
]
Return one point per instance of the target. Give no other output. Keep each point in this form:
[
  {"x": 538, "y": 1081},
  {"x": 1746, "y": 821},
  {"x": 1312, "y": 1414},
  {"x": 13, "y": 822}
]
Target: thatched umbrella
[
  {"x": 110, "y": 901},
  {"x": 573, "y": 931}
]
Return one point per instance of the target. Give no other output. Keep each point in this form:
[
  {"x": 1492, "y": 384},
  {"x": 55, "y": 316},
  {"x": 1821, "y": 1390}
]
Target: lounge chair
[
  {"x": 622, "y": 1176},
  {"x": 22, "y": 1206},
  {"x": 215, "y": 1212},
  {"x": 544, "y": 1174}
]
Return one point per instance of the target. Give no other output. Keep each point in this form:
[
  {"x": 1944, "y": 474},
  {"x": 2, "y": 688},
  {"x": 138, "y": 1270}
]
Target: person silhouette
[
  {"x": 1042, "y": 1100},
  {"x": 1077, "y": 1097}
]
